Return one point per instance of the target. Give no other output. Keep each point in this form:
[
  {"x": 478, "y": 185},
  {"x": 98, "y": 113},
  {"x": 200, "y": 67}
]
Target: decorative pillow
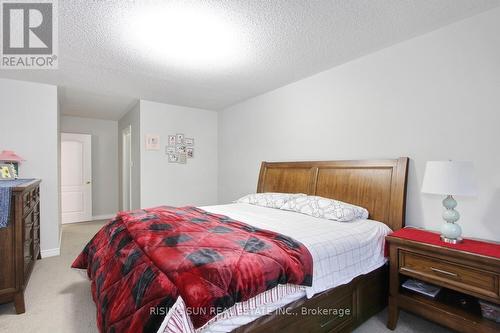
[
  {"x": 326, "y": 208},
  {"x": 269, "y": 199}
]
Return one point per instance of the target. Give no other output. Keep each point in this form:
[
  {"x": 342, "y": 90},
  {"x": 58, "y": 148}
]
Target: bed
[{"x": 379, "y": 186}]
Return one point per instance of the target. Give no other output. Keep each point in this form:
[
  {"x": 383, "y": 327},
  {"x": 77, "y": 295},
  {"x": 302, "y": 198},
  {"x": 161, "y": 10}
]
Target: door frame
[{"x": 126, "y": 168}]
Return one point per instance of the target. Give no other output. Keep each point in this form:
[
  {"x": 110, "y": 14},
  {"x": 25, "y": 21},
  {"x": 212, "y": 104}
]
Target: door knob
[{"x": 88, "y": 182}]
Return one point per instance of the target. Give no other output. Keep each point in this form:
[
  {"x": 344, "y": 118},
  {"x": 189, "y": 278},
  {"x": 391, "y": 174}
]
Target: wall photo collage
[{"x": 179, "y": 148}]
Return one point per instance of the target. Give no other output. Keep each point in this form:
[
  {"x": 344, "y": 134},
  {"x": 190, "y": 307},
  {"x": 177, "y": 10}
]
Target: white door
[
  {"x": 127, "y": 168},
  {"x": 76, "y": 177}
]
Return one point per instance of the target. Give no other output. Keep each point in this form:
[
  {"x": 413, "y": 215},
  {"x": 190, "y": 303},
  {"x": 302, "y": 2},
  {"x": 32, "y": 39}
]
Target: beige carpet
[{"x": 58, "y": 298}]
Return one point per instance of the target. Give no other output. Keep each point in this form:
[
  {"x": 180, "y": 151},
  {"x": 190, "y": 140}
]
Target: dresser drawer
[
  {"x": 28, "y": 233},
  {"x": 27, "y": 201},
  {"x": 30, "y": 199},
  {"x": 28, "y": 246},
  {"x": 36, "y": 194},
  {"x": 449, "y": 274},
  {"x": 330, "y": 316},
  {"x": 36, "y": 248},
  {"x": 36, "y": 216},
  {"x": 36, "y": 232},
  {"x": 28, "y": 219},
  {"x": 323, "y": 314},
  {"x": 28, "y": 263},
  {"x": 28, "y": 227}
]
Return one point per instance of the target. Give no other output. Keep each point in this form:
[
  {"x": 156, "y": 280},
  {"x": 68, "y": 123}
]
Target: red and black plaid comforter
[{"x": 141, "y": 261}]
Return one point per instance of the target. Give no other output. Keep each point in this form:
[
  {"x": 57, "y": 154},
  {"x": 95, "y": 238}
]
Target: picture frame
[
  {"x": 173, "y": 158},
  {"x": 181, "y": 149},
  {"x": 179, "y": 138},
  {"x": 190, "y": 152},
  {"x": 152, "y": 142},
  {"x": 172, "y": 140},
  {"x": 170, "y": 149},
  {"x": 182, "y": 158},
  {"x": 7, "y": 172}
]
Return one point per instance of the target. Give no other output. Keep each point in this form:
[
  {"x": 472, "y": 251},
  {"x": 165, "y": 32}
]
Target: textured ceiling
[
  {"x": 278, "y": 41},
  {"x": 80, "y": 103}
]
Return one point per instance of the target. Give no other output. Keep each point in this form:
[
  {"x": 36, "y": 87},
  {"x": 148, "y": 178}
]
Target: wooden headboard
[{"x": 377, "y": 185}]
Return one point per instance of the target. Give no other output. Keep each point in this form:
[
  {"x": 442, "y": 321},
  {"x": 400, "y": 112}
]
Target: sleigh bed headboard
[{"x": 377, "y": 185}]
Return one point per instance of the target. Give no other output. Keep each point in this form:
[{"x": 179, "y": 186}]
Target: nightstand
[{"x": 467, "y": 272}]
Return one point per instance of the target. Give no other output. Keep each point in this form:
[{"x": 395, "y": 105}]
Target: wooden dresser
[
  {"x": 465, "y": 278},
  {"x": 20, "y": 243}
]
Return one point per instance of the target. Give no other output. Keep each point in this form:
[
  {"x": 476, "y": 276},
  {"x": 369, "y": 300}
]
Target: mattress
[{"x": 341, "y": 251}]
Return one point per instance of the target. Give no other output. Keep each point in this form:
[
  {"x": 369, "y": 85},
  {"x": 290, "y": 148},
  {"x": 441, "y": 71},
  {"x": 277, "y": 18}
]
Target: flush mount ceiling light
[{"x": 187, "y": 36}]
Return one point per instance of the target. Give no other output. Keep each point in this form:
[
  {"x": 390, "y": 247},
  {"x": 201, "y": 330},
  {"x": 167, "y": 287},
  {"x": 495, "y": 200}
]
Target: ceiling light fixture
[{"x": 186, "y": 35}]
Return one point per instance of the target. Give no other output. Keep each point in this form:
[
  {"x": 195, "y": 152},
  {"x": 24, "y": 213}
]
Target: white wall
[
  {"x": 131, "y": 118},
  {"x": 29, "y": 126},
  {"x": 434, "y": 97},
  {"x": 104, "y": 160},
  {"x": 194, "y": 183}
]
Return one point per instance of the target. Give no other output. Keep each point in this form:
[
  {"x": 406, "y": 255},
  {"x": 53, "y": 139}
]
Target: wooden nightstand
[{"x": 466, "y": 272}]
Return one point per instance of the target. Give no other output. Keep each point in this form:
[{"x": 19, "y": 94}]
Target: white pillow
[
  {"x": 269, "y": 199},
  {"x": 326, "y": 208}
]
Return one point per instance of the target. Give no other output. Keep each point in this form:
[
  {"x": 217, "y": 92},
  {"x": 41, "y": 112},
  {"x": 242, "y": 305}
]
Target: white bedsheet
[{"x": 340, "y": 252}]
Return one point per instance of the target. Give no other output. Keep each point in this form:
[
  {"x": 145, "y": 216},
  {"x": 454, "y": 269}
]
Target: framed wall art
[
  {"x": 182, "y": 158},
  {"x": 179, "y": 148},
  {"x": 173, "y": 158},
  {"x": 152, "y": 142},
  {"x": 180, "y": 138},
  {"x": 7, "y": 172}
]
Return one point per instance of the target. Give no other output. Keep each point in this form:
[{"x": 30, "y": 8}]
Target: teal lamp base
[{"x": 451, "y": 231}]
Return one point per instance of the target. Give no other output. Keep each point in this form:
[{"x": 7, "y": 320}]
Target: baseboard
[
  {"x": 51, "y": 253},
  {"x": 103, "y": 217},
  {"x": 94, "y": 218}
]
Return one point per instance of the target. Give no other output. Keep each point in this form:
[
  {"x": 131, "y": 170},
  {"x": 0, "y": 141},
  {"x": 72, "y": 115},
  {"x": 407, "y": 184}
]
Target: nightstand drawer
[{"x": 448, "y": 274}]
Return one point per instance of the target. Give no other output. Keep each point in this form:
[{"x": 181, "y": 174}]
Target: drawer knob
[{"x": 437, "y": 270}]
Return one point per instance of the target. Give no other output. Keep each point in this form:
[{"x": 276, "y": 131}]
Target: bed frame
[{"x": 379, "y": 186}]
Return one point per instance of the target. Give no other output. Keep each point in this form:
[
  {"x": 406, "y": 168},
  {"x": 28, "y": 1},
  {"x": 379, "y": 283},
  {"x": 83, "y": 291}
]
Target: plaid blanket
[
  {"x": 5, "y": 195},
  {"x": 142, "y": 261}
]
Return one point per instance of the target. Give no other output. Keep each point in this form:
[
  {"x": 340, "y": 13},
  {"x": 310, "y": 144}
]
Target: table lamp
[{"x": 450, "y": 178}]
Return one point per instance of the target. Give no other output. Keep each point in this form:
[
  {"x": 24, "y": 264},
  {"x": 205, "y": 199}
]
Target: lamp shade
[
  {"x": 10, "y": 156},
  {"x": 450, "y": 178}
]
